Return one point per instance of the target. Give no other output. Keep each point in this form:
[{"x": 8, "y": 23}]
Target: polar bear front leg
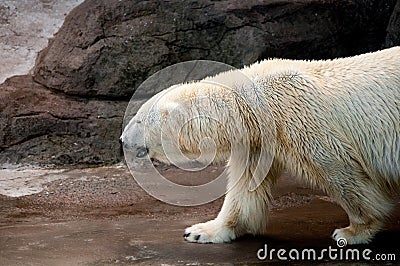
[
  {"x": 224, "y": 228},
  {"x": 243, "y": 211},
  {"x": 214, "y": 231}
]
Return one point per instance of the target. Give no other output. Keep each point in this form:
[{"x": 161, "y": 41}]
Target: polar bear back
[{"x": 346, "y": 110}]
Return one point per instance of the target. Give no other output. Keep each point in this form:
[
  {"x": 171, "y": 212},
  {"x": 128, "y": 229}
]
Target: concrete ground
[{"x": 100, "y": 216}]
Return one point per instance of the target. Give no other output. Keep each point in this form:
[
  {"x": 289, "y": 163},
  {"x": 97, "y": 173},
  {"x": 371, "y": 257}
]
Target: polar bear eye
[{"x": 142, "y": 152}]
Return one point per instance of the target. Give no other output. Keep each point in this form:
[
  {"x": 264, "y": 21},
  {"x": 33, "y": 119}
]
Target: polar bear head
[
  {"x": 199, "y": 123},
  {"x": 188, "y": 122}
]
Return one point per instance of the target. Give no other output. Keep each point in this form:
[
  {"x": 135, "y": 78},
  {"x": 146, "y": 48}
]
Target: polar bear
[{"x": 334, "y": 124}]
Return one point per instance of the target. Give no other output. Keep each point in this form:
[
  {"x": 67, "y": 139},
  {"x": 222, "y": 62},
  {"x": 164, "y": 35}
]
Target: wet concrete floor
[{"x": 100, "y": 216}]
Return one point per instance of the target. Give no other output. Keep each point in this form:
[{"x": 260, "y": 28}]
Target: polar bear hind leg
[
  {"x": 367, "y": 204},
  {"x": 357, "y": 233}
]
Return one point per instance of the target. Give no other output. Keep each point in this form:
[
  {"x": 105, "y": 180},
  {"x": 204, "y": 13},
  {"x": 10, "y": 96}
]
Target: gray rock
[
  {"x": 107, "y": 48},
  {"x": 42, "y": 127},
  {"x": 393, "y": 29},
  {"x": 73, "y": 112}
]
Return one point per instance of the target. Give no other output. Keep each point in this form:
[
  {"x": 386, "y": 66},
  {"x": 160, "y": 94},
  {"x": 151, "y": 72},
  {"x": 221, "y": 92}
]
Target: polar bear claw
[{"x": 208, "y": 232}]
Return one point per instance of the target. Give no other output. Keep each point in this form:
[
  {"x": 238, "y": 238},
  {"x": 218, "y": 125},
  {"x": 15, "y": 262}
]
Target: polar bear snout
[
  {"x": 132, "y": 139},
  {"x": 139, "y": 151},
  {"x": 142, "y": 152}
]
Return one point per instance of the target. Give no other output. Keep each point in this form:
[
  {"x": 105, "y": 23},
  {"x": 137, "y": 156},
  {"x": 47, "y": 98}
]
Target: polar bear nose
[
  {"x": 123, "y": 143},
  {"x": 142, "y": 152}
]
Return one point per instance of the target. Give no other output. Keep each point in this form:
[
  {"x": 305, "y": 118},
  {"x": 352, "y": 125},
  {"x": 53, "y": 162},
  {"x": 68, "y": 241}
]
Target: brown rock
[
  {"x": 40, "y": 126},
  {"x": 393, "y": 29},
  {"x": 106, "y": 48}
]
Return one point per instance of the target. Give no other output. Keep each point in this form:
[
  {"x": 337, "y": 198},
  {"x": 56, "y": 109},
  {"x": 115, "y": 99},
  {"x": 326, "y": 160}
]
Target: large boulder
[
  {"x": 393, "y": 29},
  {"x": 43, "y": 127},
  {"x": 106, "y": 48},
  {"x": 71, "y": 112}
]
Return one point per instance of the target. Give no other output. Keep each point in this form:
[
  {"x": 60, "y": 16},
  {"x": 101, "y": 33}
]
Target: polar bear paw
[
  {"x": 209, "y": 232},
  {"x": 345, "y": 236}
]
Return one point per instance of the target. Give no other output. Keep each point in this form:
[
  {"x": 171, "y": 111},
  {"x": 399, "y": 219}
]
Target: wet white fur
[{"x": 336, "y": 126}]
